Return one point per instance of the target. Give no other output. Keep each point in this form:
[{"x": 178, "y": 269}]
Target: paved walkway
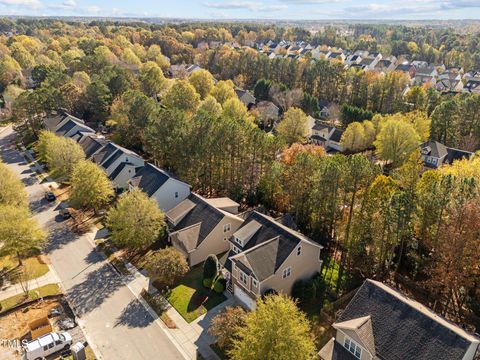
[
  {"x": 194, "y": 337},
  {"x": 14, "y": 289}
]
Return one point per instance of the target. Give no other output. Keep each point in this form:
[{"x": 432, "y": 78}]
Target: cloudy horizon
[{"x": 250, "y": 9}]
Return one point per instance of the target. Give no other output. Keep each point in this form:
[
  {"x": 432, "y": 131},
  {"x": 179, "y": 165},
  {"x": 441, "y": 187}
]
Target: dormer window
[
  {"x": 299, "y": 251},
  {"x": 353, "y": 347},
  {"x": 238, "y": 241},
  {"x": 226, "y": 228}
]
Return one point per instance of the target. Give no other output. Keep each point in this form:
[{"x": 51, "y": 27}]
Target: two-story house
[
  {"x": 200, "y": 227},
  {"x": 266, "y": 255},
  {"x": 435, "y": 154},
  {"x": 66, "y": 125},
  {"x": 326, "y": 136},
  {"x": 166, "y": 189},
  {"x": 381, "y": 323}
]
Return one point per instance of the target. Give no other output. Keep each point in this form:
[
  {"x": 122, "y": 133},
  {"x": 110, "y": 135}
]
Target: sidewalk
[{"x": 14, "y": 289}]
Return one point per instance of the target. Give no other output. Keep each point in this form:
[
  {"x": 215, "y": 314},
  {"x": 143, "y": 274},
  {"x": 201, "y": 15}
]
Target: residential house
[
  {"x": 166, "y": 189},
  {"x": 435, "y": 154},
  {"x": 361, "y": 53},
  {"x": 120, "y": 164},
  {"x": 370, "y": 61},
  {"x": 320, "y": 52},
  {"x": 269, "y": 112},
  {"x": 386, "y": 65},
  {"x": 407, "y": 69},
  {"x": 246, "y": 97},
  {"x": 382, "y": 323},
  {"x": 449, "y": 84},
  {"x": 327, "y": 136},
  {"x": 200, "y": 227},
  {"x": 265, "y": 255},
  {"x": 353, "y": 59},
  {"x": 64, "y": 124},
  {"x": 337, "y": 55},
  {"x": 420, "y": 64},
  {"x": 425, "y": 75}
]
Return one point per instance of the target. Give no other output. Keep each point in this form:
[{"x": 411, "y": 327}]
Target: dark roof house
[{"x": 381, "y": 323}]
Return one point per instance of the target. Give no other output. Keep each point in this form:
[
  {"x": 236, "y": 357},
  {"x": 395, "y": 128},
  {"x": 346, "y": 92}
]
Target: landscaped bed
[{"x": 190, "y": 298}]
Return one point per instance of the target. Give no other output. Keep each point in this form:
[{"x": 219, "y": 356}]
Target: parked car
[
  {"x": 46, "y": 345},
  {"x": 65, "y": 213},
  {"x": 50, "y": 196}
]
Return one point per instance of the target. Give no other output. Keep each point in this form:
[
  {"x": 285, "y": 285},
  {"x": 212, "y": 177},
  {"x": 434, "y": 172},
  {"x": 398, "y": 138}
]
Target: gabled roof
[
  {"x": 337, "y": 135},
  {"x": 270, "y": 245},
  {"x": 104, "y": 153},
  {"x": 360, "y": 330},
  {"x": 70, "y": 124},
  {"x": 91, "y": 144},
  {"x": 52, "y": 122},
  {"x": 200, "y": 215},
  {"x": 119, "y": 169},
  {"x": 149, "y": 179},
  {"x": 404, "y": 329},
  {"x": 434, "y": 149}
]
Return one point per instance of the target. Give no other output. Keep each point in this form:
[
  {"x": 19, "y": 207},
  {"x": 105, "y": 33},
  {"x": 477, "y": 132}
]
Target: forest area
[{"x": 374, "y": 222}]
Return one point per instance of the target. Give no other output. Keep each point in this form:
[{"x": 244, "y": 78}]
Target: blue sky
[{"x": 251, "y": 9}]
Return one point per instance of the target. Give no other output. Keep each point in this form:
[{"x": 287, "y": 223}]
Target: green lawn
[
  {"x": 34, "y": 267},
  {"x": 190, "y": 298},
  {"x": 51, "y": 289},
  {"x": 330, "y": 272}
]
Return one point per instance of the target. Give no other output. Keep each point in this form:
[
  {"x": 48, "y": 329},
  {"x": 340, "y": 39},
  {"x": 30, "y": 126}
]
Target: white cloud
[
  {"x": 22, "y": 3},
  {"x": 94, "y": 9},
  {"x": 245, "y": 5}
]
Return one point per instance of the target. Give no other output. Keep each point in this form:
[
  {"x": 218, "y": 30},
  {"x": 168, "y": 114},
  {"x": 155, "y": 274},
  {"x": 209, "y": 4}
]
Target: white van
[{"x": 46, "y": 345}]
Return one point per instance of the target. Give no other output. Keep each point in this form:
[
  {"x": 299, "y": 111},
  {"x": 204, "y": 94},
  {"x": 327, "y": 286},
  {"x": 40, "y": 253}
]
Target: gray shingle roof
[
  {"x": 435, "y": 149},
  {"x": 404, "y": 329},
  {"x": 272, "y": 243},
  {"x": 91, "y": 144},
  {"x": 112, "y": 159},
  {"x": 104, "y": 153},
  {"x": 202, "y": 213},
  {"x": 149, "y": 178},
  {"x": 69, "y": 125}
]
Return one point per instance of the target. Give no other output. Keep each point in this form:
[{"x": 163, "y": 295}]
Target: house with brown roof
[
  {"x": 200, "y": 227},
  {"x": 435, "y": 154},
  {"x": 382, "y": 323},
  {"x": 266, "y": 255}
]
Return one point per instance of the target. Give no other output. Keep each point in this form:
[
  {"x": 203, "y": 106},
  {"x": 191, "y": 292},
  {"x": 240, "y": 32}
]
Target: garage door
[{"x": 244, "y": 298}]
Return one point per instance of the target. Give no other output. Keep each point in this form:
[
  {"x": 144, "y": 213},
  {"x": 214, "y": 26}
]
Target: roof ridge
[{"x": 419, "y": 307}]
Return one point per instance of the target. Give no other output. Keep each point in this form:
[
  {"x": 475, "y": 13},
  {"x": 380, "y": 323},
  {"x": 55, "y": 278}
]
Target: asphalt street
[{"x": 111, "y": 316}]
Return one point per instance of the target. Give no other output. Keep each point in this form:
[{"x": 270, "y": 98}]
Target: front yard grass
[
  {"x": 46, "y": 290},
  {"x": 190, "y": 298},
  {"x": 34, "y": 267}
]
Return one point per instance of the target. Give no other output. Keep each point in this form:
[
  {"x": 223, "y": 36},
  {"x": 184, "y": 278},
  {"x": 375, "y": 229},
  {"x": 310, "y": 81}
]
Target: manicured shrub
[
  {"x": 210, "y": 267},
  {"x": 219, "y": 286},
  {"x": 207, "y": 283}
]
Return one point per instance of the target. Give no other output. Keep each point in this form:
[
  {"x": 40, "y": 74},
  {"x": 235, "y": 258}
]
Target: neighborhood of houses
[
  {"x": 262, "y": 254},
  {"x": 442, "y": 78}
]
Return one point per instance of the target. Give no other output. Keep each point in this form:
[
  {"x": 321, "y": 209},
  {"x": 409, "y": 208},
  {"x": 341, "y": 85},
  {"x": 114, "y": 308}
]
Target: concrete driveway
[{"x": 115, "y": 323}]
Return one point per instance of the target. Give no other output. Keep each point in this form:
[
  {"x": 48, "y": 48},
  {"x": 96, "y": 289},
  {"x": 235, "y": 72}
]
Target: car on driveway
[{"x": 50, "y": 196}]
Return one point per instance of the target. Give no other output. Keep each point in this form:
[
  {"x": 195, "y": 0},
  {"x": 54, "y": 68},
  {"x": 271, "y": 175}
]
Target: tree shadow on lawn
[{"x": 134, "y": 316}]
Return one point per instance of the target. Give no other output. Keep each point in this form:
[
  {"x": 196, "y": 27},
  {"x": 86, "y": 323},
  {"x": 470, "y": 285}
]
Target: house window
[
  {"x": 235, "y": 249},
  {"x": 238, "y": 241},
  {"x": 353, "y": 347},
  {"x": 176, "y": 194},
  {"x": 287, "y": 272},
  {"x": 299, "y": 250},
  {"x": 255, "y": 283},
  {"x": 226, "y": 228},
  {"x": 225, "y": 239},
  {"x": 243, "y": 277}
]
